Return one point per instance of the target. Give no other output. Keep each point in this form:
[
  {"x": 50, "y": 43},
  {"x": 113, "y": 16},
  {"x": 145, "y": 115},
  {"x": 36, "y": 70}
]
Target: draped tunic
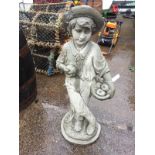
[{"x": 88, "y": 63}]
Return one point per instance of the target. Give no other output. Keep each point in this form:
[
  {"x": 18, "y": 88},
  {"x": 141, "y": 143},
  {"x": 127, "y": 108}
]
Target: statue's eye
[
  {"x": 87, "y": 30},
  {"x": 78, "y": 30}
]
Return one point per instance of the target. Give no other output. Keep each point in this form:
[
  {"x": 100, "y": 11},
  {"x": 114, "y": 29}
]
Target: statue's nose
[{"x": 82, "y": 36}]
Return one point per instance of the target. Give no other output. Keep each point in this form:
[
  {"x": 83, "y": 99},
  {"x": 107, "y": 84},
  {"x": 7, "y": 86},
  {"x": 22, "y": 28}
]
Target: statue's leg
[
  {"x": 78, "y": 102},
  {"x": 85, "y": 94},
  {"x": 91, "y": 120},
  {"x": 81, "y": 111},
  {"x": 78, "y": 123},
  {"x": 77, "y": 106}
]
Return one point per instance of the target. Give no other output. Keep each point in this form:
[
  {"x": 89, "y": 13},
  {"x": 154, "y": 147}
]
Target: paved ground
[{"x": 40, "y": 122}]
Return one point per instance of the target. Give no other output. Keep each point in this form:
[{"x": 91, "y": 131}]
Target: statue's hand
[
  {"x": 65, "y": 69},
  {"x": 111, "y": 90},
  {"x": 71, "y": 70},
  {"x": 99, "y": 78}
]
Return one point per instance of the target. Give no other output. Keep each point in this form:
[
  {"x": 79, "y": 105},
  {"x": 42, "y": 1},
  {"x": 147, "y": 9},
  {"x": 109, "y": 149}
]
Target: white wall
[
  {"x": 26, "y": 1},
  {"x": 106, "y": 4}
]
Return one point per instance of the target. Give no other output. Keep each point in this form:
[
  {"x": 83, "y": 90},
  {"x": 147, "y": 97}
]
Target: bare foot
[
  {"x": 78, "y": 125},
  {"x": 90, "y": 128}
]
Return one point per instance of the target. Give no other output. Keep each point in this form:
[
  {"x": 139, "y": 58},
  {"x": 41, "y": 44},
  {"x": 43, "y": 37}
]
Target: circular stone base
[{"x": 78, "y": 137}]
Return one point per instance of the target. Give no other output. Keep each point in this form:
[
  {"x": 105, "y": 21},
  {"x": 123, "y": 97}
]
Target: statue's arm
[
  {"x": 60, "y": 63},
  {"x": 99, "y": 62},
  {"x": 108, "y": 80},
  {"x": 103, "y": 71}
]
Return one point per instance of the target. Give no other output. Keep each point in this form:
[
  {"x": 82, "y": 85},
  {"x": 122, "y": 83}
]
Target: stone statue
[{"x": 87, "y": 74}]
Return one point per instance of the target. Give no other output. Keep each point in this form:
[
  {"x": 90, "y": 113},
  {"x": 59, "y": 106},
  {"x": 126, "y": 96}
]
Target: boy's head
[{"x": 81, "y": 29}]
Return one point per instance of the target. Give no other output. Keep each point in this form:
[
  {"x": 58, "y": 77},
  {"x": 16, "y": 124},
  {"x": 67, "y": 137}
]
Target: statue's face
[{"x": 81, "y": 35}]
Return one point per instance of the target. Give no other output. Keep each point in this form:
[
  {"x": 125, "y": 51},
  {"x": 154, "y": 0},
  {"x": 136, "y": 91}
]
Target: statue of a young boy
[{"x": 87, "y": 74}]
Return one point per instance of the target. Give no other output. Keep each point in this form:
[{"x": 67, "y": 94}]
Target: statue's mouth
[{"x": 81, "y": 41}]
